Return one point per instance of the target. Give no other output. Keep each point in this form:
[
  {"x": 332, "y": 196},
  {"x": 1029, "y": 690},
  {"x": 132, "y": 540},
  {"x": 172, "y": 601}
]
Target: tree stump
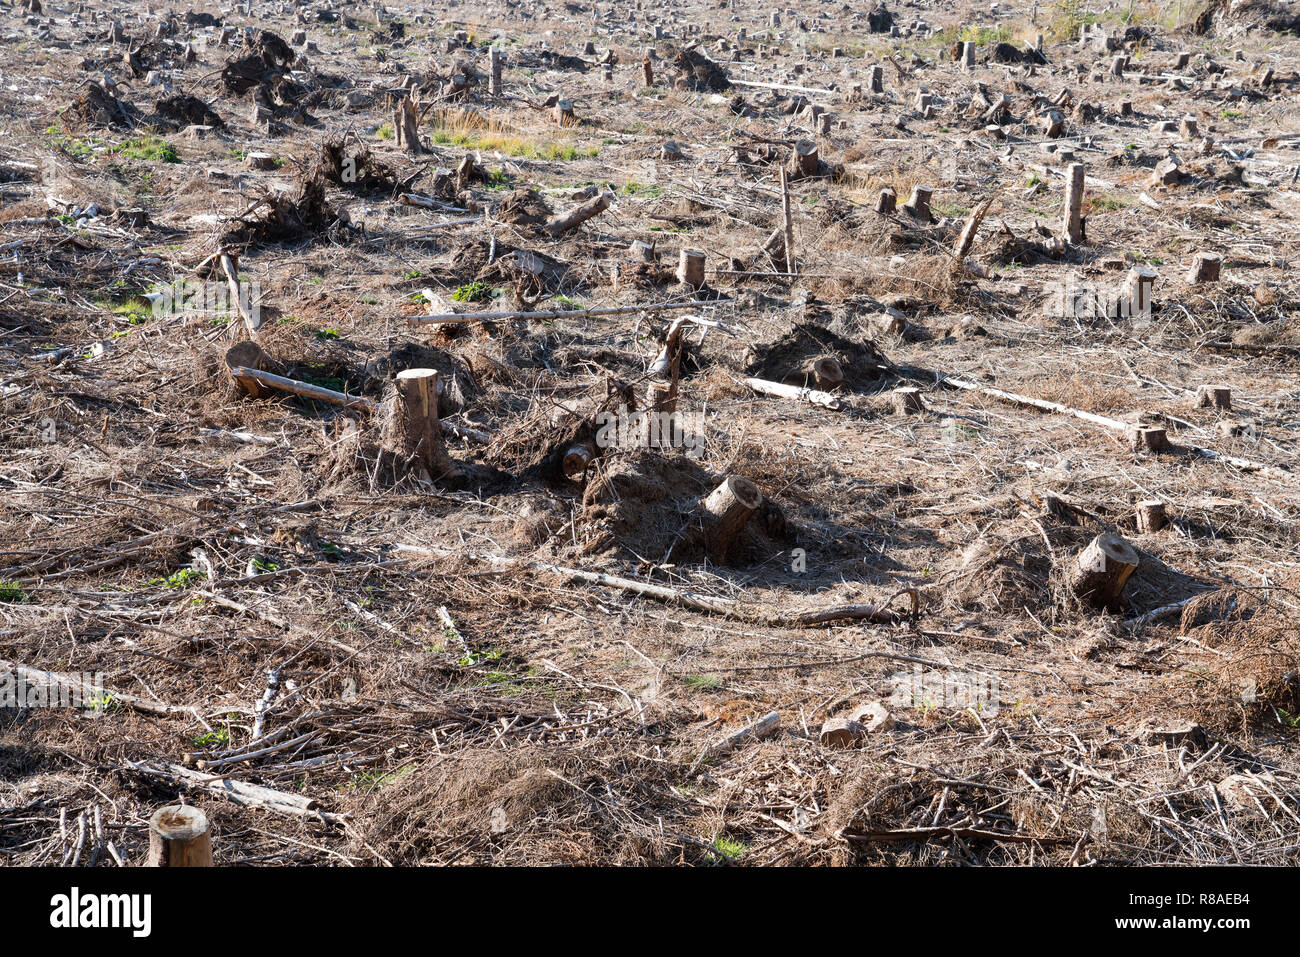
[
  {"x": 919, "y": 205},
  {"x": 842, "y": 733},
  {"x": 690, "y": 268},
  {"x": 1102, "y": 569},
  {"x": 1205, "y": 268},
  {"x": 826, "y": 372},
  {"x": 494, "y": 71},
  {"x": 577, "y": 457},
  {"x": 725, "y": 512},
  {"x": 406, "y": 125},
  {"x": 647, "y": 72},
  {"x": 886, "y": 201},
  {"x": 907, "y": 400},
  {"x": 1148, "y": 439},
  {"x": 1137, "y": 293},
  {"x": 804, "y": 160},
  {"x": 1188, "y": 128},
  {"x": 1214, "y": 397},
  {"x": 1150, "y": 515},
  {"x": 413, "y": 434},
  {"x": 1072, "y": 227},
  {"x": 178, "y": 837},
  {"x": 877, "y": 76},
  {"x": 250, "y": 355},
  {"x": 564, "y": 115},
  {"x": 968, "y": 56}
]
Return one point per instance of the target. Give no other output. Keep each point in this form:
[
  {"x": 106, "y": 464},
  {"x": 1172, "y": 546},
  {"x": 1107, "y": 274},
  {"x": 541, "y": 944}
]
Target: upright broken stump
[
  {"x": 413, "y": 434},
  {"x": 494, "y": 71},
  {"x": 1102, "y": 569},
  {"x": 406, "y": 125},
  {"x": 178, "y": 837},
  {"x": 1072, "y": 226},
  {"x": 725, "y": 513}
]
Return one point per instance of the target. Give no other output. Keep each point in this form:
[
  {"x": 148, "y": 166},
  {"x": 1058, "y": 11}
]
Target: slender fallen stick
[
  {"x": 88, "y": 693},
  {"x": 799, "y": 394},
  {"x": 1249, "y": 465},
  {"x": 454, "y": 317},
  {"x": 273, "y": 381}
]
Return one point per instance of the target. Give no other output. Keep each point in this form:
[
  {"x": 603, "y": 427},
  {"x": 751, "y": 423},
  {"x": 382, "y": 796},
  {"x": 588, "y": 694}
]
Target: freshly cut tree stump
[
  {"x": 887, "y": 201},
  {"x": 690, "y": 268},
  {"x": 1214, "y": 397},
  {"x": 1073, "y": 225},
  {"x": 250, "y": 355},
  {"x": 804, "y": 160},
  {"x": 1150, "y": 515},
  {"x": 1102, "y": 569},
  {"x": 919, "y": 205},
  {"x": 908, "y": 401},
  {"x": 564, "y": 115},
  {"x": 1149, "y": 439},
  {"x": 178, "y": 837},
  {"x": 1205, "y": 268},
  {"x": 827, "y": 372},
  {"x": 577, "y": 458},
  {"x": 842, "y": 733},
  {"x": 413, "y": 434},
  {"x": 725, "y": 512},
  {"x": 1137, "y": 294}
]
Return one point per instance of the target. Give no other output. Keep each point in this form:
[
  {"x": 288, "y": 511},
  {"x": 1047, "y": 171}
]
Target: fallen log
[
  {"x": 242, "y": 793},
  {"x": 243, "y": 374},
  {"x": 81, "y": 691},
  {"x": 559, "y": 225},
  {"x": 798, "y": 393}
]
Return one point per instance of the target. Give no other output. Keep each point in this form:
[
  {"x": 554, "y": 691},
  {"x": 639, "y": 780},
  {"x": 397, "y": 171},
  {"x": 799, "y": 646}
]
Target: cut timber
[
  {"x": 1150, "y": 515},
  {"x": 907, "y": 400},
  {"x": 250, "y": 355},
  {"x": 813, "y": 396},
  {"x": 414, "y": 434},
  {"x": 559, "y": 225},
  {"x": 178, "y": 837},
  {"x": 690, "y": 268},
  {"x": 1072, "y": 227},
  {"x": 1148, "y": 439},
  {"x": 1102, "y": 569},
  {"x": 577, "y": 458},
  {"x": 726, "y": 511},
  {"x": 1214, "y": 397},
  {"x": 279, "y": 382},
  {"x": 827, "y": 372}
]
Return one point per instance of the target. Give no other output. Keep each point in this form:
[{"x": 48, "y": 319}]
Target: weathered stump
[{"x": 1102, "y": 569}]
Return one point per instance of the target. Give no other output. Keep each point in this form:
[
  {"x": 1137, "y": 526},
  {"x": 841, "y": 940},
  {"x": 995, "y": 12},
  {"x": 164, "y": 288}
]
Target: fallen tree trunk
[
  {"x": 799, "y": 394},
  {"x": 244, "y": 374},
  {"x": 559, "y": 225}
]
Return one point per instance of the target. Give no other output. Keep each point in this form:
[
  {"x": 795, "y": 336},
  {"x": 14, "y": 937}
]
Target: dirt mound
[
  {"x": 184, "y": 110},
  {"x": 1252, "y": 676},
  {"x": 279, "y": 218},
  {"x": 456, "y": 385},
  {"x": 266, "y": 58},
  {"x": 644, "y": 504},
  {"x": 697, "y": 72},
  {"x": 523, "y": 207},
  {"x": 95, "y": 106},
  {"x": 347, "y": 162},
  {"x": 787, "y": 359}
]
